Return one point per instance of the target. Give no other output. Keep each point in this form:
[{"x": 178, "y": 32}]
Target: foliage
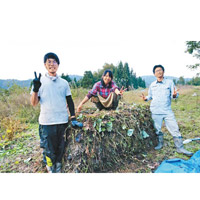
[
  {"x": 122, "y": 76},
  {"x": 194, "y": 81},
  {"x": 193, "y": 47},
  {"x": 11, "y": 126},
  {"x": 88, "y": 80},
  {"x": 15, "y": 101},
  {"x": 66, "y": 77},
  {"x": 109, "y": 139},
  {"x": 181, "y": 81},
  {"x": 23, "y": 153}
]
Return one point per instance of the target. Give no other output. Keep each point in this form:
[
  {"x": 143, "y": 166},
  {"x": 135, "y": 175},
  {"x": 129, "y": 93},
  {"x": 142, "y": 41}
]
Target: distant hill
[
  {"x": 7, "y": 83},
  {"x": 149, "y": 79},
  {"x": 75, "y": 76}
]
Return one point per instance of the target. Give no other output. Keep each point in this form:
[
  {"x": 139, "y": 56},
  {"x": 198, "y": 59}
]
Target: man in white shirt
[{"x": 54, "y": 94}]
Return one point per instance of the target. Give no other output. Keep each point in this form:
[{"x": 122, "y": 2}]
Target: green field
[{"x": 19, "y": 140}]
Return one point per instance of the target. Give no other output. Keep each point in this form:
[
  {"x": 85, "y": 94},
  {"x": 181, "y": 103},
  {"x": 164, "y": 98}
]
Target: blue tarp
[{"x": 178, "y": 165}]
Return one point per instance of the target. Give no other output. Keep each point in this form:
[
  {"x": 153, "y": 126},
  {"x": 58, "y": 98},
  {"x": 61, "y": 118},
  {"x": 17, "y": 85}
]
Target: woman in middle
[{"x": 105, "y": 94}]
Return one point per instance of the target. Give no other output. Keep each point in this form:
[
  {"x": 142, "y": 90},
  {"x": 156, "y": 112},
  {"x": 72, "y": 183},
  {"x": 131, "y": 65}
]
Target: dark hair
[
  {"x": 156, "y": 66},
  {"x": 53, "y": 56},
  {"x": 110, "y": 75}
]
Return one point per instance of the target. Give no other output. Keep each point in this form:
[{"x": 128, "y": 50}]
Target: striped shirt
[{"x": 103, "y": 91}]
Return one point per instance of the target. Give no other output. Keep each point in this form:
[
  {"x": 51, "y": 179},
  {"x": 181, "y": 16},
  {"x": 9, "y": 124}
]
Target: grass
[{"x": 23, "y": 153}]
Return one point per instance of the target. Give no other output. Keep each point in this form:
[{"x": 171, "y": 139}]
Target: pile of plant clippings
[{"x": 109, "y": 139}]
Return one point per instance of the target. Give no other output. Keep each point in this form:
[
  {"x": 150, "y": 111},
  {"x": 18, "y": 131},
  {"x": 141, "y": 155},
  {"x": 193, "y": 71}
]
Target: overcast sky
[{"x": 87, "y": 34}]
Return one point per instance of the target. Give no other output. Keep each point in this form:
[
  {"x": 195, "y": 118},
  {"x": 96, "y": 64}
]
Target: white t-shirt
[{"x": 53, "y": 104}]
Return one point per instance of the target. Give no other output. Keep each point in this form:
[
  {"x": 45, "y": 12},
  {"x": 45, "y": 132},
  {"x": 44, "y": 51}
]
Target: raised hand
[
  {"x": 175, "y": 92},
  {"x": 143, "y": 97},
  {"x": 122, "y": 90},
  {"x": 36, "y": 82}
]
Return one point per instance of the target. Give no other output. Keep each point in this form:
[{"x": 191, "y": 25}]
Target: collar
[
  {"x": 53, "y": 78},
  {"x": 163, "y": 81}
]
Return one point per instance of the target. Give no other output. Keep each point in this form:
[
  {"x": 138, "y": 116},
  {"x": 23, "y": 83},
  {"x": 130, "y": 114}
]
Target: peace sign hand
[
  {"x": 175, "y": 92},
  {"x": 143, "y": 97},
  {"x": 36, "y": 82},
  {"x": 122, "y": 90}
]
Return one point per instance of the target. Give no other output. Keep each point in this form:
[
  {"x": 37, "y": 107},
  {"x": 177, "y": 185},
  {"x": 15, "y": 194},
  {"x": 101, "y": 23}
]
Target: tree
[
  {"x": 181, "y": 81},
  {"x": 119, "y": 75},
  {"x": 126, "y": 76},
  {"x": 66, "y": 77},
  {"x": 175, "y": 82},
  {"x": 88, "y": 80},
  {"x": 141, "y": 83},
  {"x": 193, "y": 47},
  {"x": 194, "y": 81},
  {"x": 97, "y": 75},
  {"x": 134, "y": 81}
]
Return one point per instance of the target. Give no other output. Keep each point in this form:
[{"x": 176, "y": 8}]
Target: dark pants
[{"x": 53, "y": 142}]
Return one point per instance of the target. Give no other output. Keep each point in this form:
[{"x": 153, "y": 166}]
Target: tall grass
[
  {"x": 15, "y": 102},
  {"x": 15, "y": 111}
]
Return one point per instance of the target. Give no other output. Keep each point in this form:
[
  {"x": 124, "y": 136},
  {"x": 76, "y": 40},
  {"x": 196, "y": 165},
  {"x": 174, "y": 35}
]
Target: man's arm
[
  {"x": 34, "y": 99},
  {"x": 71, "y": 106},
  {"x": 174, "y": 91},
  {"x": 149, "y": 97},
  {"x": 36, "y": 85},
  {"x": 72, "y": 112}
]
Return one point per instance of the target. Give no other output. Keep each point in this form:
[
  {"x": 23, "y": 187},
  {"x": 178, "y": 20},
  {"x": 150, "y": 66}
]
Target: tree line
[
  {"x": 123, "y": 76},
  {"x": 181, "y": 81}
]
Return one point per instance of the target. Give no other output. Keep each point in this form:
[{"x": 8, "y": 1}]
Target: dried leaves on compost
[{"x": 109, "y": 139}]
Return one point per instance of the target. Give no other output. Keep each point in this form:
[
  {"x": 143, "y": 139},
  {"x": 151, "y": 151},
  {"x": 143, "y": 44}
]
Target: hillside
[
  {"x": 7, "y": 83},
  {"x": 150, "y": 78}
]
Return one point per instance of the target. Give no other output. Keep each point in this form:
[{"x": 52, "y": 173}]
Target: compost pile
[{"x": 109, "y": 139}]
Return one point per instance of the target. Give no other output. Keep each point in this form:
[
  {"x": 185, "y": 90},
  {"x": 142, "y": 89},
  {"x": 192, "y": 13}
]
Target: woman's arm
[{"x": 81, "y": 104}]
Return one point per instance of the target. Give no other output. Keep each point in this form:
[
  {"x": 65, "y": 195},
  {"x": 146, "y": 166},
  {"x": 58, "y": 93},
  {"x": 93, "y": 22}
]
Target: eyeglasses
[
  {"x": 159, "y": 70},
  {"x": 49, "y": 62}
]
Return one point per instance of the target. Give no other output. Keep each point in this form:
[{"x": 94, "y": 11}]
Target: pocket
[{"x": 167, "y": 90}]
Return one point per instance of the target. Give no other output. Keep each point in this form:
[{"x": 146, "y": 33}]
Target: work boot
[
  {"x": 179, "y": 146},
  {"x": 160, "y": 142},
  {"x": 58, "y": 167}
]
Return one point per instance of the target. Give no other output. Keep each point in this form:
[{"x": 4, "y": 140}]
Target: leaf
[
  {"x": 109, "y": 126},
  {"x": 103, "y": 129},
  {"x": 145, "y": 134},
  {"x": 80, "y": 116},
  {"x": 27, "y": 160},
  {"x": 123, "y": 126},
  {"x": 95, "y": 123},
  {"x": 130, "y": 132},
  {"x": 112, "y": 119},
  {"x": 99, "y": 121}
]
